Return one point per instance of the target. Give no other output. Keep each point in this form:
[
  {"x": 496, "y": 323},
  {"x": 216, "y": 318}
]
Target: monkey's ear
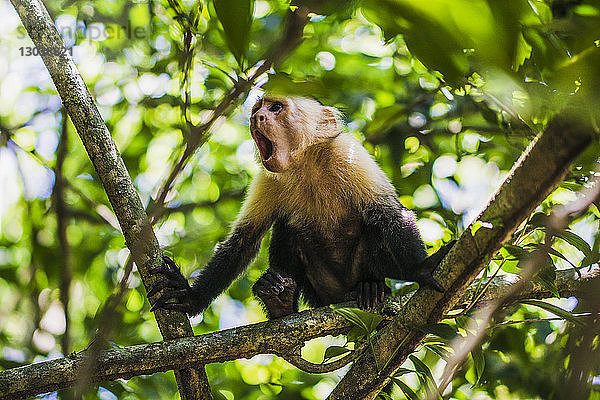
[{"x": 330, "y": 123}]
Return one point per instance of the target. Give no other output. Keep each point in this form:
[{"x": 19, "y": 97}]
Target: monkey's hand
[
  {"x": 425, "y": 270},
  {"x": 177, "y": 292},
  {"x": 278, "y": 294},
  {"x": 369, "y": 295}
]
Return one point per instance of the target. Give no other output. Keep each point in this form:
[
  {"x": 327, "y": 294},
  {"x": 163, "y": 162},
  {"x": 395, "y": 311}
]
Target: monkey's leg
[
  {"x": 279, "y": 288},
  {"x": 278, "y": 294},
  {"x": 373, "y": 262}
]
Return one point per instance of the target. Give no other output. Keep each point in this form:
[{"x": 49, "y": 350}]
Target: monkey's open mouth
[{"x": 265, "y": 147}]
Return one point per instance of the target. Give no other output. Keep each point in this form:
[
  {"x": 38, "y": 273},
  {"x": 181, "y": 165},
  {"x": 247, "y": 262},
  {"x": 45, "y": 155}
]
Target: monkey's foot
[
  {"x": 277, "y": 293},
  {"x": 369, "y": 295},
  {"x": 424, "y": 274},
  {"x": 176, "y": 293}
]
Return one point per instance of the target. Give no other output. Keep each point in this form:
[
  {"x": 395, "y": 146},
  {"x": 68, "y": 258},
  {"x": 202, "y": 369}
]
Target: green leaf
[
  {"x": 408, "y": 392},
  {"x": 556, "y": 253},
  {"x": 517, "y": 252},
  {"x": 439, "y": 350},
  {"x": 384, "y": 118},
  {"x": 421, "y": 368},
  {"x": 402, "y": 288},
  {"x": 590, "y": 259},
  {"x": 442, "y": 330},
  {"x": 236, "y": 19},
  {"x": 356, "y": 334},
  {"x": 402, "y": 371},
  {"x": 350, "y": 314},
  {"x": 429, "y": 34},
  {"x": 572, "y": 186},
  {"x": 363, "y": 319},
  {"x": 538, "y": 219},
  {"x": 542, "y": 10},
  {"x": 551, "y": 251},
  {"x": 335, "y": 351},
  {"x": 478, "y": 362},
  {"x": 272, "y": 389},
  {"x": 576, "y": 241},
  {"x": 555, "y": 310},
  {"x": 463, "y": 321},
  {"x": 547, "y": 274}
]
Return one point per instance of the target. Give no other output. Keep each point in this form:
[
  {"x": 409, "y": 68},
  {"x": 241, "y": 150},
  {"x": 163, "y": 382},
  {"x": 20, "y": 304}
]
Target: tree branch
[
  {"x": 283, "y": 337},
  {"x": 111, "y": 169},
  {"x": 539, "y": 170},
  {"x": 559, "y": 219}
]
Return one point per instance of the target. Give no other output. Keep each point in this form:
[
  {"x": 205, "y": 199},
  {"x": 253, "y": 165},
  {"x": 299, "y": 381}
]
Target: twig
[
  {"x": 292, "y": 37},
  {"x": 523, "y": 321},
  {"x": 62, "y": 222},
  {"x": 295, "y": 358}
]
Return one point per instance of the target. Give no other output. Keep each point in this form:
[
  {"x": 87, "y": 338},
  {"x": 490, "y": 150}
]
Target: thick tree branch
[
  {"x": 559, "y": 219},
  {"x": 283, "y": 337},
  {"x": 111, "y": 170},
  {"x": 278, "y": 336},
  {"x": 539, "y": 170}
]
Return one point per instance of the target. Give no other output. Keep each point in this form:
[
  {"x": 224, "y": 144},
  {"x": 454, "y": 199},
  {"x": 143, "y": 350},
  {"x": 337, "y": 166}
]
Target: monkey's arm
[{"x": 230, "y": 259}]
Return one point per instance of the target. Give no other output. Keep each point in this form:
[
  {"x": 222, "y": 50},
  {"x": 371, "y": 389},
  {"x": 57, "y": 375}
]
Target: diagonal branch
[
  {"x": 559, "y": 219},
  {"x": 539, "y": 170},
  {"x": 111, "y": 169}
]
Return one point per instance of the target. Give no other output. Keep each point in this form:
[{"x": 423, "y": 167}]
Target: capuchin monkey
[{"x": 338, "y": 227}]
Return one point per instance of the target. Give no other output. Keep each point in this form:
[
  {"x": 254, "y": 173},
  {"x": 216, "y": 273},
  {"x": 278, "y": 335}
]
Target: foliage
[{"x": 444, "y": 94}]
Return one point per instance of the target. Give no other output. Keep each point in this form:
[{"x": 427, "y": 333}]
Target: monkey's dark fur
[{"x": 338, "y": 228}]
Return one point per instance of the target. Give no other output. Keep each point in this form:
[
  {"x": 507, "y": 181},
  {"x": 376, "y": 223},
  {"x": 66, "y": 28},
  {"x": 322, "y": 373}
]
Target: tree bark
[
  {"x": 540, "y": 169},
  {"x": 139, "y": 236},
  {"x": 281, "y": 336}
]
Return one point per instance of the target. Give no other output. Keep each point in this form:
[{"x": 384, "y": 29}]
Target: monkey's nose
[{"x": 261, "y": 117}]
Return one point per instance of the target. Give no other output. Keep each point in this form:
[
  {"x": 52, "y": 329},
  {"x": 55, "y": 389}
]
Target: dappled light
[{"x": 446, "y": 96}]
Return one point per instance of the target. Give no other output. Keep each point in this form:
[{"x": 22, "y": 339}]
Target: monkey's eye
[{"x": 276, "y": 107}]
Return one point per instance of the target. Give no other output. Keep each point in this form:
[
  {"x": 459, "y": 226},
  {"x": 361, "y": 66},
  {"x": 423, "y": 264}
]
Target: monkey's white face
[{"x": 284, "y": 127}]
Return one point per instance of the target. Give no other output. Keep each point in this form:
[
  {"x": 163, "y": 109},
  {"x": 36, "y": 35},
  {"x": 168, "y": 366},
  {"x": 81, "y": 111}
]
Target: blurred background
[{"x": 444, "y": 94}]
